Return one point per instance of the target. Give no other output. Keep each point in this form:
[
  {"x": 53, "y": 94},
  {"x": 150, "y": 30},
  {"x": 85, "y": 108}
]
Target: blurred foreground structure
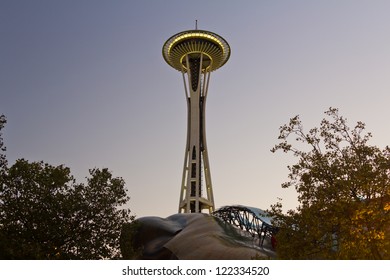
[{"x": 233, "y": 232}]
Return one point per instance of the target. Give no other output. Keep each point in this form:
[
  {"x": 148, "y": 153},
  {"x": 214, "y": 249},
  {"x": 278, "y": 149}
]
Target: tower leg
[{"x": 196, "y": 188}]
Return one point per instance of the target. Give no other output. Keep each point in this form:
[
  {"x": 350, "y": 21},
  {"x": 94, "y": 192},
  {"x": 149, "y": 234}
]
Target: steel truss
[{"x": 249, "y": 219}]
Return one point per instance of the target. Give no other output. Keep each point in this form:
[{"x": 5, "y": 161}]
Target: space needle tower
[{"x": 196, "y": 53}]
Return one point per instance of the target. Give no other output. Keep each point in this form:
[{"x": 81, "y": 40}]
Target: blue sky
[{"x": 83, "y": 83}]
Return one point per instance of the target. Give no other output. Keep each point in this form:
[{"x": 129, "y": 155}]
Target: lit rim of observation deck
[{"x": 212, "y": 45}]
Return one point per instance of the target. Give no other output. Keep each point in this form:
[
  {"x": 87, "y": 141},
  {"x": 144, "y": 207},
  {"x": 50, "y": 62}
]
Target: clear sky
[{"x": 83, "y": 83}]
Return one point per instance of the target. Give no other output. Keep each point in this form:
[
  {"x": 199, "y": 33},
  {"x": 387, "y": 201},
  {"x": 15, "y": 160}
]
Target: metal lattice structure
[
  {"x": 249, "y": 219},
  {"x": 196, "y": 53}
]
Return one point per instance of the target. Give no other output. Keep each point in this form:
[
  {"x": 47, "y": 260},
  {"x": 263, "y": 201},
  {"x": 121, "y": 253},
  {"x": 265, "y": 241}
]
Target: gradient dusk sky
[{"x": 83, "y": 83}]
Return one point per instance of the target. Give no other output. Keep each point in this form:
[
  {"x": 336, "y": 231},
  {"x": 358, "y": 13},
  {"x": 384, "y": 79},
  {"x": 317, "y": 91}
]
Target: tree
[
  {"x": 45, "y": 214},
  {"x": 3, "y": 160},
  {"x": 343, "y": 187},
  {"x": 130, "y": 248}
]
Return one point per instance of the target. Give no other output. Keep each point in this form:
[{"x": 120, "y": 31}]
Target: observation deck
[{"x": 215, "y": 49}]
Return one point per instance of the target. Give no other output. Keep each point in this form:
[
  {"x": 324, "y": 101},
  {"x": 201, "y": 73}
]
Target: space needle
[{"x": 196, "y": 53}]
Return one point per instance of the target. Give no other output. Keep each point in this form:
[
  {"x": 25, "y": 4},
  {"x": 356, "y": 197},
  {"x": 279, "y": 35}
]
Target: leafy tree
[
  {"x": 45, "y": 214},
  {"x": 3, "y": 161},
  {"x": 343, "y": 187},
  {"x": 130, "y": 247}
]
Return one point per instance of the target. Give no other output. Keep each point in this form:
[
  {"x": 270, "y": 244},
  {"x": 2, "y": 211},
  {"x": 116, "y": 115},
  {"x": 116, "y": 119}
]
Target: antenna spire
[{"x": 196, "y": 24}]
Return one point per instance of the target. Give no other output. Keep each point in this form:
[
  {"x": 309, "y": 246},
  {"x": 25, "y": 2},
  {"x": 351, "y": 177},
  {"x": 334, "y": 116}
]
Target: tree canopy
[
  {"x": 343, "y": 187},
  {"x": 45, "y": 214}
]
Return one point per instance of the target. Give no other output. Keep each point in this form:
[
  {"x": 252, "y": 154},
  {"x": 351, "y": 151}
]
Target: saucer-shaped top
[{"x": 215, "y": 49}]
